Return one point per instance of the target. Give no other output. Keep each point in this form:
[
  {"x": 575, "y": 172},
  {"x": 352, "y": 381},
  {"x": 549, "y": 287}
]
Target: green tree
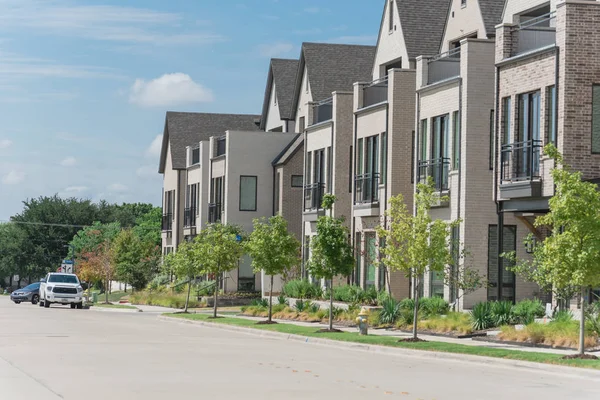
[
  {"x": 415, "y": 243},
  {"x": 148, "y": 226},
  {"x": 220, "y": 248},
  {"x": 132, "y": 259},
  {"x": 272, "y": 249},
  {"x": 570, "y": 256},
  {"x": 331, "y": 251},
  {"x": 12, "y": 258},
  {"x": 185, "y": 263}
]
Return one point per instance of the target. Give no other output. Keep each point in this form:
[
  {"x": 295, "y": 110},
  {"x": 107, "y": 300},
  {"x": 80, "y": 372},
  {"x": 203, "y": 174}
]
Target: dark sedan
[{"x": 27, "y": 294}]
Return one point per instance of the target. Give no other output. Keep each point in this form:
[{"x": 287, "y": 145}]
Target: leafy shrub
[
  {"x": 501, "y": 312},
  {"x": 321, "y": 314},
  {"x": 370, "y": 295},
  {"x": 390, "y": 312},
  {"x": 382, "y": 296},
  {"x": 282, "y": 300},
  {"x": 433, "y": 306},
  {"x": 555, "y": 333},
  {"x": 481, "y": 316},
  {"x": 205, "y": 288},
  {"x": 312, "y": 307},
  {"x": 337, "y": 312},
  {"x": 526, "y": 311},
  {"x": 264, "y": 303},
  {"x": 592, "y": 317},
  {"x": 562, "y": 316},
  {"x": 407, "y": 304},
  {"x": 453, "y": 322},
  {"x": 158, "y": 283},
  {"x": 302, "y": 289},
  {"x": 162, "y": 299},
  {"x": 278, "y": 308},
  {"x": 302, "y": 305},
  {"x": 348, "y": 294}
]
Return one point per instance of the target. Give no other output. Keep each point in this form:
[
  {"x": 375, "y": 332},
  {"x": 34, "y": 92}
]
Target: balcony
[
  {"x": 167, "y": 222},
  {"x": 437, "y": 169},
  {"x": 313, "y": 196},
  {"x": 214, "y": 213},
  {"x": 195, "y": 155},
  {"x": 534, "y": 34},
  {"x": 375, "y": 92},
  {"x": 366, "y": 189},
  {"x": 443, "y": 66},
  {"x": 189, "y": 217},
  {"x": 520, "y": 169},
  {"x": 322, "y": 111},
  {"x": 220, "y": 146}
]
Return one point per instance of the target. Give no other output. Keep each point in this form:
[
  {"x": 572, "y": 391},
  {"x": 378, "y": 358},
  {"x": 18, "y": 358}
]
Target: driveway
[{"x": 59, "y": 353}]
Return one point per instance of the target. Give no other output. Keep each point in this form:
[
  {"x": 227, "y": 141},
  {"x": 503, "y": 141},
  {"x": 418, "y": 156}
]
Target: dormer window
[
  {"x": 391, "y": 16},
  {"x": 306, "y": 84},
  {"x": 275, "y": 98},
  {"x": 463, "y": 3}
]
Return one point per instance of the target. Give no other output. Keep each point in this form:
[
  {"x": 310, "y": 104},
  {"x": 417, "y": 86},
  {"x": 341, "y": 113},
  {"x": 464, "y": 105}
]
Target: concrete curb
[
  {"x": 575, "y": 372},
  {"x": 118, "y": 310}
]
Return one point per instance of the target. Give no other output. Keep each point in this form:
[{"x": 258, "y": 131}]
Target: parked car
[
  {"x": 62, "y": 289},
  {"x": 28, "y": 294}
]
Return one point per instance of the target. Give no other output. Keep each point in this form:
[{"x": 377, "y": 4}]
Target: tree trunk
[
  {"x": 331, "y": 304},
  {"x": 106, "y": 291},
  {"x": 416, "y": 309},
  {"x": 271, "y": 300},
  {"x": 215, "y": 305},
  {"x": 582, "y": 323},
  {"x": 187, "y": 299}
]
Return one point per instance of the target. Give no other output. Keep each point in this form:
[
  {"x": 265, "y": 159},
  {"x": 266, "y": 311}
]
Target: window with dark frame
[
  {"x": 391, "y": 15},
  {"x": 329, "y": 170},
  {"x": 508, "y": 277},
  {"x": 455, "y": 140},
  {"x": 297, "y": 180},
  {"x": 506, "y": 120},
  {"x": 383, "y": 152},
  {"x": 492, "y": 146},
  {"x": 350, "y": 180},
  {"x": 301, "y": 124},
  {"x": 423, "y": 141},
  {"x": 551, "y": 114},
  {"x": 596, "y": 118},
  {"x": 248, "y": 192},
  {"x": 277, "y": 190}
]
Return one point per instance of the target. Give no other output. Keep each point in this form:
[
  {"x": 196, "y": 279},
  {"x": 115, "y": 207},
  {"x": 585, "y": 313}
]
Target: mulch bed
[
  {"x": 412, "y": 340},
  {"x": 580, "y": 357},
  {"x": 266, "y": 323},
  {"x": 327, "y": 330}
]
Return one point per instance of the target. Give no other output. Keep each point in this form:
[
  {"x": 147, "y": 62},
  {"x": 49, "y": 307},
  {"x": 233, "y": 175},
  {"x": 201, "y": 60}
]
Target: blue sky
[{"x": 84, "y": 85}]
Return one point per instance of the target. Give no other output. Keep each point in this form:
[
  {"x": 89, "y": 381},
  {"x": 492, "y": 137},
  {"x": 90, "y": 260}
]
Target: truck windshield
[{"x": 63, "y": 279}]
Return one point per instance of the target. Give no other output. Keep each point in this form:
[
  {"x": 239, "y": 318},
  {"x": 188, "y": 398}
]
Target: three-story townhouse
[
  {"x": 384, "y": 120},
  {"x": 548, "y": 77},
  {"x": 454, "y": 140}
]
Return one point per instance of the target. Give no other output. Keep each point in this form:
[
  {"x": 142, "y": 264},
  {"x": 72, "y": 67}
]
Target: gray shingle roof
[
  {"x": 333, "y": 67},
  {"x": 422, "y": 24},
  {"x": 491, "y": 11},
  {"x": 184, "y": 129},
  {"x": 282, "y": 73},
  {"x": 289, "y": 150}
]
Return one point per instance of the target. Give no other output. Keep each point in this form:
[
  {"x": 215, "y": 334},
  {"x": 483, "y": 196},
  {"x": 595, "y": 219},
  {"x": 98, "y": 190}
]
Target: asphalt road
[{"x": 59, "y": 353}]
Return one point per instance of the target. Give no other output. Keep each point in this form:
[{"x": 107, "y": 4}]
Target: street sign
[{"x": 66, "y": 267}]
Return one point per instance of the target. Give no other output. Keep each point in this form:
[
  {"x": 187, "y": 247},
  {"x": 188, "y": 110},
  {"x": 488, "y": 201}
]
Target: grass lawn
[
  {"x": 114, "y": 296},
  {"x": 545, "y": 358},
  {"x": 101, "y": 305}
]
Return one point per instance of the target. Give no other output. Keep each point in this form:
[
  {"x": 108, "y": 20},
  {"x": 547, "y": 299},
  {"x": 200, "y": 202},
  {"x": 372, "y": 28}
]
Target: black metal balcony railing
[
  {"x": 366, "y": 188},
  {"x": 189, "y": 217},
  {"x": 322, "y": 111},
  {"x": 534, "y": 34},
  {"x": 167, "y": 222},
  {"x": 214, "y": 213},
  {"x": 444, "y": 66},
  {"x": 375, "y": 92},
  {"x": 520, "y": 161},
  {"x": 437, "y": 169},
  {"x": 313, "y": 196}
]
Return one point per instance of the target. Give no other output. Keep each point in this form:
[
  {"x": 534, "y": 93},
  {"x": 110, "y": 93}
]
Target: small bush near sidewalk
[
  {"x": 558, "y": 333},
  {"x": 454, "y": 322},
  {"x": 146, "y": 298}
]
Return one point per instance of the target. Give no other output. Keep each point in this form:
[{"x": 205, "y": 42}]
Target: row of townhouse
[{"x": 466, "y": 92}]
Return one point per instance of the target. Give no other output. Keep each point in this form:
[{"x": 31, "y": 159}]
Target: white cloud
[
  {"x": 69, "y": 162},
  {"x": 155, "y": 147},
  {"x": 147, "y": 172},
  {"x": 13, "y": 177},
  {"x": 168, "y": 90},
  {"x": 275, "y": 49},
  {"x": 5, "y": 143},
  {"x": 118, "y": 187}
]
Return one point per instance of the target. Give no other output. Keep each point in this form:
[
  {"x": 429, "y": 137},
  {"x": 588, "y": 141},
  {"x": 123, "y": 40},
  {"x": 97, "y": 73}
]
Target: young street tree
[
  {"x": 220, "y": 248},
  {"x": 416, "y": 244},
  {"x": 272, "y": 249},
  {"x": 570, "y": 256},
  {"x": 186, "y": 264},
  {"x": 461, "y": 278},
  {"x": 135, "y": 259},
  {"x": 331, "y": 251}
]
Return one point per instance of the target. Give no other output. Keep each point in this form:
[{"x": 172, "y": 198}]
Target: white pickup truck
[{"x": 62, "y": 289}]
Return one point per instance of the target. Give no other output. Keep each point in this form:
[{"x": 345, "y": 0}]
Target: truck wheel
[
  {"x": 46, "y": 304},
  {"x": 17, "y": 302},
  {"x": 72, "y": 305},
  {"x": 80, "y": 306},
  {"x": 41, "y": 303},
  {"x": 35, "y": 299}
]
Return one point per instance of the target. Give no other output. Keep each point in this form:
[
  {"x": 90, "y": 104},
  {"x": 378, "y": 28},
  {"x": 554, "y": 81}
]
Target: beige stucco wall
[
  {"x": 304, "y": 98},
  {"x": 174, "y": 180},
  {"x": 390, "y": 45},
  {"x": 463, "y": 21},
  {"x": 273, "y": 117}
]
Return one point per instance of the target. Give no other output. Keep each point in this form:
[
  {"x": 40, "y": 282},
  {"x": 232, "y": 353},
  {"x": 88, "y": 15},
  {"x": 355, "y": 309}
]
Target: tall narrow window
[
  {"x": 596, "y": 119},
  {"x": 359, "y": 158},
  {"x": 248, "y": 193},
  {"x": 492, "y": 147},
  {"x": 391, "y": 15},
  {"x": 455, "y": 140},
  {"x": 301, "y": 124},
  {"x": 423, "y": 141},
  {"x": 277, "y": 190},
  {"x": 319, "y": 166},
  {"x": 307, "y": 174},
  {"x": 527, "y": 151},
  {"x": 329, "y": 170},
  {"x": 508, "y": 278},
  {"x": 384, "y": 152},
  {"x": 350, "y": 178},
  {"x": 551, "y": 114},
  {"x": 506, "y": 120},
  {"x": 439, "y": 141}
]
